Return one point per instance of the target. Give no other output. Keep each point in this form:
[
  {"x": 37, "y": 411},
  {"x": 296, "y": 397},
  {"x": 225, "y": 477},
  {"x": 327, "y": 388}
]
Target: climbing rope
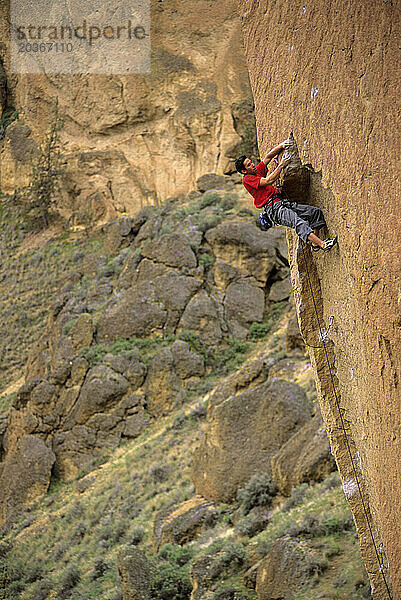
[{"x": 323, "y": 338}]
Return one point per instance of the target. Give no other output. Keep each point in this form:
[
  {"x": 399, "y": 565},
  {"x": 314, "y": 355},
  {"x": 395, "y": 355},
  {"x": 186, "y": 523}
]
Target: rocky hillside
[
  {"x": 169, "y": 304},
  {"x": 183, "y": 445},
  {"x": 136, "y": 140},
  {"x": 331, "y": 70}
]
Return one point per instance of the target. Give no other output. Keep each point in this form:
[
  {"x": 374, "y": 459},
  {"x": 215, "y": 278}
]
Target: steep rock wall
[
  {"x": 138, "y": 139},
  {"x": 328, "y": 72}
]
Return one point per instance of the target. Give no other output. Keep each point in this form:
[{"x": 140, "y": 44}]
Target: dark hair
[{"x": 239, "y": 163}]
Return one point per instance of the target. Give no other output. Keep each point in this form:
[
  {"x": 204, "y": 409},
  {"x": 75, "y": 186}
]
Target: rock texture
[
  {"x": 181, "y": 523},
  {"x": 245, "y": 431},
  {"x": 135, "y": 572},
  {"x": 121, "y": 132},
  {"x": 285, "y": 570},
  {"x": 306, "y": 457},
  {"x": 334, "y": 85},
  {"x": 25, "y": 475}
]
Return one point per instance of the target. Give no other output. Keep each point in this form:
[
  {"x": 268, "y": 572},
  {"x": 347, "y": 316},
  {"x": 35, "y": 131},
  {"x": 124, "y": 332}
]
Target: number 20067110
[{"x": 45, "y": 47}]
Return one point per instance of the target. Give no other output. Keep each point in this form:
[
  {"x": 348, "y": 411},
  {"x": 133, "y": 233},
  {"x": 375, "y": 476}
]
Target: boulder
[
  {"x": 101, "y": 390},
  {"x": 181, "y": 523},
  {"x": 201, "y": 315},
  {"x": 211, "y": 181},
  {"x": 135, "y": 572},
  {"x": 22, "y": 145},
  {"x": 163, "y": 387},
  {"x": 285, "y": 570},
  {"x": 244, "y": 303},
  {"x": 170, "y": 249},
  {"x": 24, "y": 393},
  {"x": 187, "y": 362},
  {"x": 81, "y": 332},
  {"x": 288, "y": 368},
  {"x": 280, "y": 290},
  {"x": 78, "y": 448},
  {"x": 224, "y": 274},
  {"x": 25, "y": 475},
  {"x": 250, "y": 374},
  {"x": 244, "y": 432},
  {"x": 118, "y": 234},
  {"x": 243, "y": 246},
  {"x": 306, "y": 457},
  {"x": 138, "y": 314},
  {"x": 136, "y": 423}
]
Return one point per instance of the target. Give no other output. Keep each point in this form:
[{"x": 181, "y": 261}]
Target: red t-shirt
[{"x": 251, "y": 183}]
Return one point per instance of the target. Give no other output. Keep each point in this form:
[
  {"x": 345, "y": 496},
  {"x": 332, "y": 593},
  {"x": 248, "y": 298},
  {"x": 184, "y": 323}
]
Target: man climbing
[{"x": 305, "y": 219}]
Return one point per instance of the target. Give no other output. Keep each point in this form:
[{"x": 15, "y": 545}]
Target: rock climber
[{"x": 305, "y": 219}]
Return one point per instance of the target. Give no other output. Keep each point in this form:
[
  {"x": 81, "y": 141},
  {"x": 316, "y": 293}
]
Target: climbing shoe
[{"x": 330, "y": 244}]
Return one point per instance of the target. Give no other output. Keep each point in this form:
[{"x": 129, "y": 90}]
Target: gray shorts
[{"x": 301, "y": 217}]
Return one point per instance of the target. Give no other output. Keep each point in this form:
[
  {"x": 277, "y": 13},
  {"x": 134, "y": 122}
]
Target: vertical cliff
[
  {"x": 133, "y": 140},
  {"x": 328, "y": 72}
]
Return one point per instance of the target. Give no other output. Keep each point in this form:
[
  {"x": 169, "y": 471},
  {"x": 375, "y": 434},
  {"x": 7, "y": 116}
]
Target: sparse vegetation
[{"x": 74, "y": 533}]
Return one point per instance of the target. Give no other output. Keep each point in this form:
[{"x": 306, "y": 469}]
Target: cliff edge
[{"x": 328, "y": 73}]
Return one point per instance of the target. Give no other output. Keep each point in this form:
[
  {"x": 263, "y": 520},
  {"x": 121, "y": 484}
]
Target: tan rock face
[
  {"x": 327, "y": 73},
  {"x": 306, "y": 457},
  {"x": 245, "y": 431},
  {"x": 284, "y": 571},
  {"x": 138, "y": 139},
  {"x": 25, "y": 476}
]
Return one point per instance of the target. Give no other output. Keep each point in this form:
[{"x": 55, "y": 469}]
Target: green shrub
[
  {"x": 208, "y": 199},
  {"x": 41, "y": 591},
  {"x": 136, "y": 535},
  {"x": 296, "y": 498},
  {"x": 206, "y": 222},
  {"x": 258, "y": 331},
  {"x": 251, "y": 525},
  {"x": 160, "y": 473},
  {"x": 335, "y": 524},
  {"x": 228, "y": 202},
  {"x": 231, "y": 357},
  {"x": 99, "y": 568},
  {"x": 232, "y": 554},
  {"x": 172, "y": 553},
  {"x": 229, "y": 593},
  {"x": 70, "y": 579},
  {"x": 259, "y": 491},
  {"x": 206, "y": 260},
  {"x": 171, "y": 582}
]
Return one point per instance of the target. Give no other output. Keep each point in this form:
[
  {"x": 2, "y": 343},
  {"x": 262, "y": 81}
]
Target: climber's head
[{"x": 244, "y": 165}]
